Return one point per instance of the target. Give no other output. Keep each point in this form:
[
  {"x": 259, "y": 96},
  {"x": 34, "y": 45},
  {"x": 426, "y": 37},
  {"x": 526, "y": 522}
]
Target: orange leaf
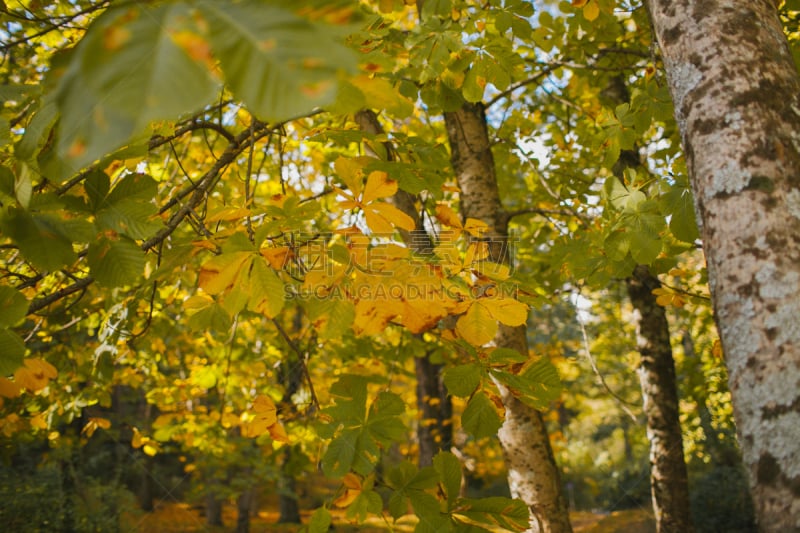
[
  {"x": 378, "y": 186},
  {"x": 278, "y": 433},
  {"x": 9, "y": 389},
  {"x": 448, "y": 217}
]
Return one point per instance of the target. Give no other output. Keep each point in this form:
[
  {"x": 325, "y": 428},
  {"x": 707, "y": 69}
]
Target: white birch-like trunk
[{"x": 532, "y": 472}]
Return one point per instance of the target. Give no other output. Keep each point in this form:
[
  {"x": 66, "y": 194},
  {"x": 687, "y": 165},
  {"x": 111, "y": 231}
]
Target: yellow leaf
[
  {"x": 137, "y": 440},
  {"x": 350, "y": 171},
  {"x": 353, "y": 488},
  {"x": 381, "y": 94},
  {"x": 591, "y": 10},
  {"x": 492, "y": 270},
  {"x": 716, "y": 350},
  {"x": 579, "y": 3},
  {"x": 378, "y": 186},
  {"x": 219, "y": 273},
  {"x": 383, "y": 217},
  {"x": 347, "y": 498},
  {"x": 227, "y": 214},
  {"x": 277, "y": 257},
  {"x": 35, "y": 375},
  {"x": 506, "y": 310},
  {"x": 351, "y": 481},
  {"x": 475, "y": 252},
  {"x": 150, "y": 449},
  {"x": 476, "y": 227},
  {"x": 476, "y": 326},
  {"x": 664, "y": 299},
  {"x": 38, "y": 421},
  {"x": 264, "y": 408}
]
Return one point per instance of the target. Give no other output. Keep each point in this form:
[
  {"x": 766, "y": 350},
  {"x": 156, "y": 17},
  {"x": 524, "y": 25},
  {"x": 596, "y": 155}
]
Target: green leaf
[
  {"x": 97, "y": 185},
  {"x": 366, "y": 503},
  {"x": 211, "y": 317},
  {"x": 644, "y": 247},
  {"x": 13, "y": 306},
  {"x": 136, "y": 64},
  {"x": 448, "y": 467},
  {"x": 462, "y": 380},
  {"x": 115, "y": 262},
  {"x": 431, "y": 518},
  {"x": 677, "y": 202},
  {"x": 277, "y": 63},
  {"x": 617, "y": 245},
  {"x": 320, "y": 521},
  {"x": 12, "y": 352},
  {"x": 40, "y": 238},
  {"x": 495, "y": 512},
  {"x": 536, "y": 385},
  {"x": 384, "y": 423},
  {"x": 480, "y": 417},
  {"x": 341, "y": 452}
]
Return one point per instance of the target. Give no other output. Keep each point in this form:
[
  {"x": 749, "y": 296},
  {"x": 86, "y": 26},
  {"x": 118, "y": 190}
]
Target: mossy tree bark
[{"x": 737, "y": 102}]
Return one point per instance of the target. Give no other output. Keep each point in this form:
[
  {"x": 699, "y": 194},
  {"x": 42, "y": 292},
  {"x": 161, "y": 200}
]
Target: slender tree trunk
[
  {"x": 244, "y": 507},
  {"x": 288, "y": 508},
  {"x": 737, "y": 102},
  {"x": 213, "y": 510},
  {"x": 291, "y": 375},
  {"x": 435, "y": 430},
  {"x": 669, "y": 484},
  {"x": 532, "y": 472}
]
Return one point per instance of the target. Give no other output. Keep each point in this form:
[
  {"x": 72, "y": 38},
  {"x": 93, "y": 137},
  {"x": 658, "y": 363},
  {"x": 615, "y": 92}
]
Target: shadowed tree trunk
[
  {"x": 435, "y": 429},
  {"x": 244, "y": 508},
  {"x": 213, "y": 510},
  {"x": 737, "y": 102},
  {"x": 291, "y": 375},
  {"x": 532, "y": 472},
  {"x": 669, "y": 484}
]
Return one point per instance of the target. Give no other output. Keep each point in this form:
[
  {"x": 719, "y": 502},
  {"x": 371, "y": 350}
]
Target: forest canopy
[{"x": 347, "y": 261}]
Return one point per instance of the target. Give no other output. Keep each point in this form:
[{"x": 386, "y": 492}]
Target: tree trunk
[
  {"x": 244, "y": 507},
  {"x": 532, "y": 472},
  {"x": 737, "y": 102},
  {"x": 213, "y": 510},
  {"x": 669, "y": 484},
  {"x": 435, "y": 429},
  {"x": 288, "y": 509}
]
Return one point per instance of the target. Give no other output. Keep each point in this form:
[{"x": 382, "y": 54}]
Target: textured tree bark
[
  {"x": 669, "y": 483},
  {"x": 532, "y": 472},
  {"x": 736, "y": 93},
  {"x": 435, "y": 429}
]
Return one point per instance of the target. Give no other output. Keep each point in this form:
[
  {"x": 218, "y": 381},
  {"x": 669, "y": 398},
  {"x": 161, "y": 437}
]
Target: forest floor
[{"x": 183, "y": 518}]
